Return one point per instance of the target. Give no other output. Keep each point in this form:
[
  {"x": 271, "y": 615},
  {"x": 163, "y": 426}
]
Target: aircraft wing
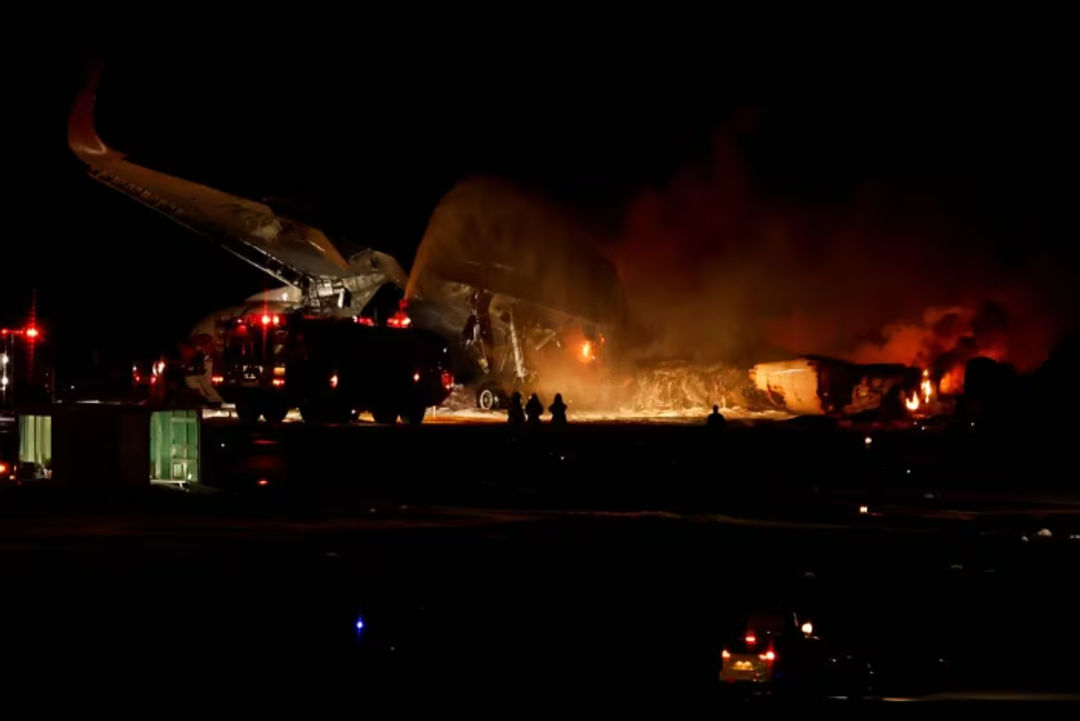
[{"x": 287, "y": 249}]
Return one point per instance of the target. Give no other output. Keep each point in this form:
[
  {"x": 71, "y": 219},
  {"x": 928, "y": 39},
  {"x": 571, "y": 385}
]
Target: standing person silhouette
[
  {"x": 515, "y": 415},
  {"x": 533, "y": 410},
  {"x": 558, "y": 411}
]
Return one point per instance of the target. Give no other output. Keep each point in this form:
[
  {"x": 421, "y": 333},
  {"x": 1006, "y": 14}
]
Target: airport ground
[{"x": 608, "y": 561}]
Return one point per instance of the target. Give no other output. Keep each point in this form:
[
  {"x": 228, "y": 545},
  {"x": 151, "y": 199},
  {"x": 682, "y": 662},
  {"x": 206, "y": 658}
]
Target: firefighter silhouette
[
  {"x": 715, "y": 420},
  {"x": 558, "y": 411},
  {"x": 533, "y": 410},
  {"x": 515, "y": 415}
]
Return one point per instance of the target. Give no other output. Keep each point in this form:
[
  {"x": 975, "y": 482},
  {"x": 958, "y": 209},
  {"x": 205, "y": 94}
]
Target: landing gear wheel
[
  {"x": 275, "y": 411},
  {"x": 384, "y": 415},
  {"x": 489, "y": 397},
  {"x": 247, "y": 412},
  {"x": 414, "y": 416}
]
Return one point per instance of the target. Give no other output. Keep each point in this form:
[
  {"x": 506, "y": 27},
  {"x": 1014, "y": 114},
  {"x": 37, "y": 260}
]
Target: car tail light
[
  {"x": 3, "y": 468},
  {"x": 216, "y": 380},
  {"x": 416, "y": 377},
  {"x": 769, "y": 656},
  {"x": 278, "y": 382},
  {"x": 333, "y": 381},
  {"x": 725, "y": 654},
  {"x": 447, "y": 380},
  {"x": 266, "y": 319},
  {"x": 750, "y": 639},
  {"x": 364, "y": 320}
]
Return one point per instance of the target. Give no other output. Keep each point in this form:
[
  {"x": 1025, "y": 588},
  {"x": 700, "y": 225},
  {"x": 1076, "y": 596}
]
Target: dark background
[{"x": 360, "y": 127}]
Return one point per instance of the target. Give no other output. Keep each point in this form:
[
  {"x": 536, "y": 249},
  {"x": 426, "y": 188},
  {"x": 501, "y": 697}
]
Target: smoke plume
[{"x": 714, "y": 270}]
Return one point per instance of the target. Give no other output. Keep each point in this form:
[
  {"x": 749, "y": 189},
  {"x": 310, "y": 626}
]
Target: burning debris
[{"x": 815, "y": 385}]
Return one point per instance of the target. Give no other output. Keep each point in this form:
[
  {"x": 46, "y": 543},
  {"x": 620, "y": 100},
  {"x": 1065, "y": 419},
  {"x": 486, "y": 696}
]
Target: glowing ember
[{"x": 587, "y": 354}]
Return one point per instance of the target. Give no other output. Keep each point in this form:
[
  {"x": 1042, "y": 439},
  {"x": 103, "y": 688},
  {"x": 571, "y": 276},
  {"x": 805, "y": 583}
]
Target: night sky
[{"x": 362, "y": 137}]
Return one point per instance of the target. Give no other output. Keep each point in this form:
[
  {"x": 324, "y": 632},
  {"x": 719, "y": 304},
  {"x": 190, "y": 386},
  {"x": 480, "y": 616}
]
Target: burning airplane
[
  {"x": 525, "y": 298},
  {"x": 511, "y": 302}
]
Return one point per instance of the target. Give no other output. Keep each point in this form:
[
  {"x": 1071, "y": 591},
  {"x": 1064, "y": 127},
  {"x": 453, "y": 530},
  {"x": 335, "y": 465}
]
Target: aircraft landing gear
[{"x": 490, "y": 397}]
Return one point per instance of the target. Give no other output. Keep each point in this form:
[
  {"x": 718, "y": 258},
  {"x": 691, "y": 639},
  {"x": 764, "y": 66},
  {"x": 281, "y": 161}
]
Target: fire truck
[{"x": 328, "y": 367}]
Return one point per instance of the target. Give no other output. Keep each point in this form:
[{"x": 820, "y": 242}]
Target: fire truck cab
[{"x": 328, "y": 367}]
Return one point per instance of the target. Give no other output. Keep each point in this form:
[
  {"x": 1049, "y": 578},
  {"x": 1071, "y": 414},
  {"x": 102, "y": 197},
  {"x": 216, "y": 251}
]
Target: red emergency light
[
  {"x": 399, "y": 320},
  {"x": 30, "y": 332},
  {"x": 364, "y": 320},
  {"x": 750, "y": 639}
]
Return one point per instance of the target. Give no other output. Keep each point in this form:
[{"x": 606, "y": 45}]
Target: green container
[
  {"x": 174, "y": 446},
  {"x": 35, "y": 440}
]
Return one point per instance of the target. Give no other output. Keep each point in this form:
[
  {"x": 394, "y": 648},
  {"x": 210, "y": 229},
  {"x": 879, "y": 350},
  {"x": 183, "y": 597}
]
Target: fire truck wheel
[
  {"x": 384, "y": 415},
  {"x": 414, "y": 416},
  {"x": 275, "y": 411},
  {"x": 247, "y": 412}
]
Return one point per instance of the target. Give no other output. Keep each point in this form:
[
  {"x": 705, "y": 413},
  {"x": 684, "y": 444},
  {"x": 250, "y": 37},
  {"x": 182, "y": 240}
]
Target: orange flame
[
  {"x": 912, "y": 403},
  {"x": 587, "y": 354}
]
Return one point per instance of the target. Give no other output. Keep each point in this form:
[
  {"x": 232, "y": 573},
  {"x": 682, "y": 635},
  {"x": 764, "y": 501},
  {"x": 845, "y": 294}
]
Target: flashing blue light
[{"x": 359, "y": 625}]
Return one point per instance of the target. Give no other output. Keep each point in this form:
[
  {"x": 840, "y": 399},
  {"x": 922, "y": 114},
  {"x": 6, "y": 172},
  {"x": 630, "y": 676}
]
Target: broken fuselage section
[{"x": 818, "y": 385}]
